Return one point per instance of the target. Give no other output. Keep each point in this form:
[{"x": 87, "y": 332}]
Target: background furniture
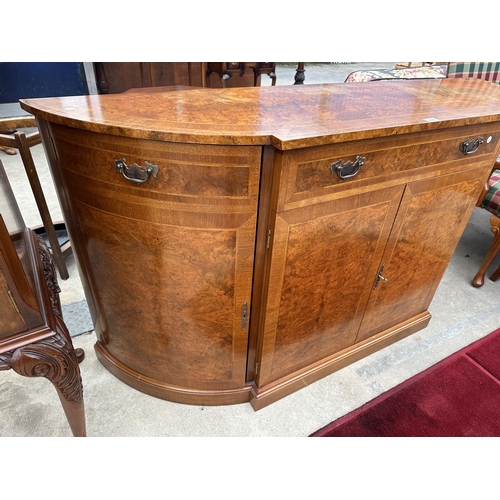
[
  {"x": 239, "y": 253},
  {"x": 490, "y": 200},
  {"x": 430, "y": 71},
  {"x": 23, "y": 142},
  {"x": 117, "y": 77},
  {"x": 413, "y": 64},
  {"x": 34, "y": 340},
  {"x": 489, "y": 71},
  {"x": 300, "y": 74},
  {"x": 226, "y": 70}
]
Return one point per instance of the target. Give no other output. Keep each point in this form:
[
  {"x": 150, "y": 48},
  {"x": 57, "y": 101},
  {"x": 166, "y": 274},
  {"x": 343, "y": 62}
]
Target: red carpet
[{"x": 459, "y": 396}]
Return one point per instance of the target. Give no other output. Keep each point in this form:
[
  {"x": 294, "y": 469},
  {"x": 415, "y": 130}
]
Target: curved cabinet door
[{"x": 169, "y": 261}]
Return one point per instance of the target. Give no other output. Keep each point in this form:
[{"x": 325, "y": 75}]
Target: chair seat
[
  {"x": 436, "y": 71},
  {"x": 491, "y": 201}
]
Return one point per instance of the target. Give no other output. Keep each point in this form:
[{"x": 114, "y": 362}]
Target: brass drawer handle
[
  {"x": 348, "y": 169},
  {"x": 470, "y": 146},
  {"x": 135, "y": 173}
]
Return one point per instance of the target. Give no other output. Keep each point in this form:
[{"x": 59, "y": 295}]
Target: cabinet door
[
  {"x": 324, "y": 261},
  {"x": 168, "y": 262},
  {"x": 429, "y": 224}
]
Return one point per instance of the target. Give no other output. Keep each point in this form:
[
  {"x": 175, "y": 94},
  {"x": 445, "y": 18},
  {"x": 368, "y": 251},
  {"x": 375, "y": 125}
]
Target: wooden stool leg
[
  {"x": 36, "y": 187},
  {"x": 478, "y": 280},
  {"x": 495, "y": 275},
  {"x": 55, "y": 359}
]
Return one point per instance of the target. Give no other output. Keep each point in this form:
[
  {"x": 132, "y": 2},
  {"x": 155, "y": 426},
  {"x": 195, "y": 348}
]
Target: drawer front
[
  {"x": 318, "y": 174},
  {"x": 220, "y": 178}
]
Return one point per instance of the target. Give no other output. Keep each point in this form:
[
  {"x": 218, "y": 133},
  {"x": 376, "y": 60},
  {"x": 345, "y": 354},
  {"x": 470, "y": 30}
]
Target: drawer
[
  {"x": 218, "y": 176},
  {"x": 313, "y": 175}
]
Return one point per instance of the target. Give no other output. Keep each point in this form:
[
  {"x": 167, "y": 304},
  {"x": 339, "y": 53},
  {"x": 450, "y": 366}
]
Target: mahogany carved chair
[
  {"x": 34, "y": 341},
  {"x": 490, "y": 201}
]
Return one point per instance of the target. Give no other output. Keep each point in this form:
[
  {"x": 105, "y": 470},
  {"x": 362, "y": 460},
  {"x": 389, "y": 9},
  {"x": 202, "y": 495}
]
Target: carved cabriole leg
[
  {"x": 54, "y": 359},
  {"x": 478, "y": 280}
]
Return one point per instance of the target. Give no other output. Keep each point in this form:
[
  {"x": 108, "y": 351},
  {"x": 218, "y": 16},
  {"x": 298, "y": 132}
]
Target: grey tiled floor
[{"x": 461, "y": 315}]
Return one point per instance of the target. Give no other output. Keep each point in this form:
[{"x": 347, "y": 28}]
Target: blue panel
[{"x": 26, "y": 80}]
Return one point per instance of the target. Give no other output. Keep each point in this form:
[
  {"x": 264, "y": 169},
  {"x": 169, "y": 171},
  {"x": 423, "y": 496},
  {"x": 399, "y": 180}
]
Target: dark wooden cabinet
[
  {"x": 34, "y": 341},
  {"x": 238, "y": 244},
  {"x": 240, "y": 71},
  {"x": 117, "y": 77}
]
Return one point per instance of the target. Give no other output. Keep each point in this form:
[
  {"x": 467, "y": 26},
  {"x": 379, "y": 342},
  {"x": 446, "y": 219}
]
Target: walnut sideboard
[{"x": 239, "y": 244}]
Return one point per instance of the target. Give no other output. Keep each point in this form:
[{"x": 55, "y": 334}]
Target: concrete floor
[{"x": 461, "y": 315}]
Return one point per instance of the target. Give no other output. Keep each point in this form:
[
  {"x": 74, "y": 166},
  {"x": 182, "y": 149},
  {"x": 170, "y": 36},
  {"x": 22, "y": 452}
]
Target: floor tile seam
[{"x": 482, "y": 368}]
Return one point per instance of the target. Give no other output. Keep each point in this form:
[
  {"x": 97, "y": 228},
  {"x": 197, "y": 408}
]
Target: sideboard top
[{"x": 288, "y": 117}]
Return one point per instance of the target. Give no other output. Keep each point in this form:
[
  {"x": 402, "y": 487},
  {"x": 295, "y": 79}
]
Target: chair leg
[
  {"x": 495, "y": 275},
  {"x": 478, "y": 280},
  {"x": 55, "y": 359}
]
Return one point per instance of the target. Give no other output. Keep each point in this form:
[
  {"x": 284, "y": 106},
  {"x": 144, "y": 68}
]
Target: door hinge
[
  {"x": 268, "y": 238},
  {"x": 256, "y": 368},
  {"x": 244, "y": 315}
]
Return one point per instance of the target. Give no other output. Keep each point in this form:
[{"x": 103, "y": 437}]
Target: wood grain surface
[
  {"x": 169, "y": 262},
  {"x": 287, "y": 117},
  {"x": 246, "y": 213}
]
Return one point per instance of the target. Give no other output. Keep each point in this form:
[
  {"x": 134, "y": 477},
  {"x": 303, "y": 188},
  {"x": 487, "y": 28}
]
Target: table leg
[{"x": 300, "y": 74}]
